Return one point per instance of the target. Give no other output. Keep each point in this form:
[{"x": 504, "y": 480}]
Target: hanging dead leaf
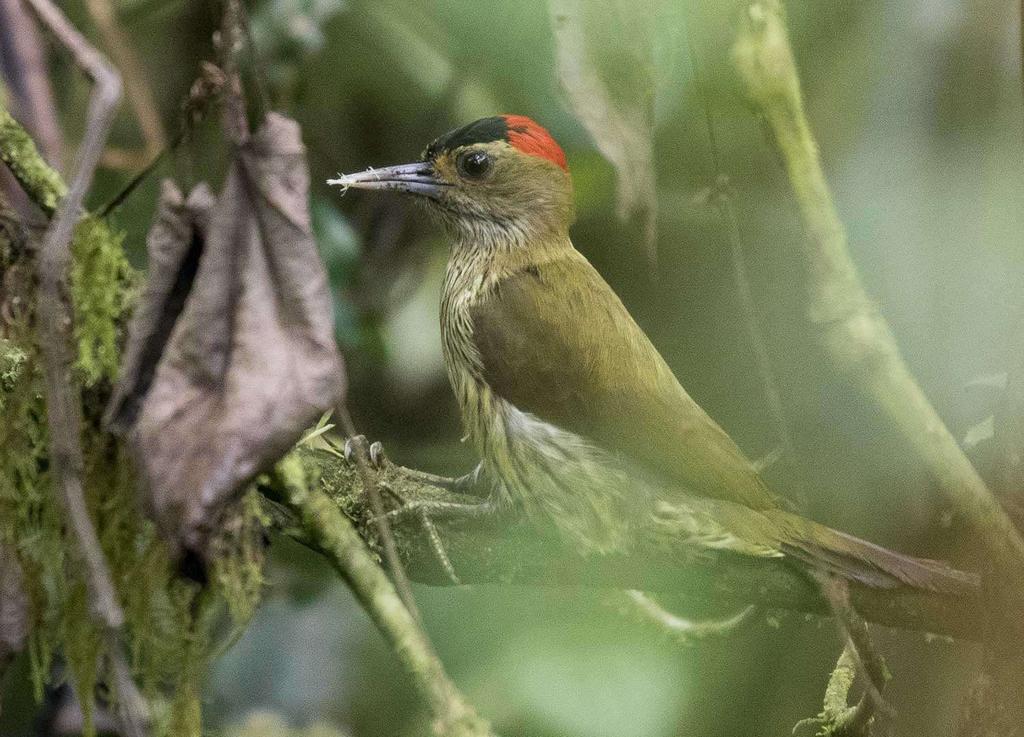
[{"x": 231, "y": 354}]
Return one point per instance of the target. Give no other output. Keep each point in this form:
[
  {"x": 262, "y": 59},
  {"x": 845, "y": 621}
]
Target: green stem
[
  {"x": 856, "y": 337},
  {"x": 332, "y": 533}
]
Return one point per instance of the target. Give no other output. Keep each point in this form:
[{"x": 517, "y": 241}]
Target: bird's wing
[{"x": 555, "y": 341}]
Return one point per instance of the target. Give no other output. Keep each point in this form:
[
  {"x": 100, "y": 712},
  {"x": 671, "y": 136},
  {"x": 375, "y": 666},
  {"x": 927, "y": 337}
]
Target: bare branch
[
  {"x": 24, "y": 67},
  {"x": 63, "y": 405}
]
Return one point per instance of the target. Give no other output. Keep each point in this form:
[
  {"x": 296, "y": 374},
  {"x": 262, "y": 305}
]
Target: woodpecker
[{"x": 577, "y": 418}]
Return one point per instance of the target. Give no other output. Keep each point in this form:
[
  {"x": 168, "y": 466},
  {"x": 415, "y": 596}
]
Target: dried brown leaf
[{"x": 232, "y": 353}]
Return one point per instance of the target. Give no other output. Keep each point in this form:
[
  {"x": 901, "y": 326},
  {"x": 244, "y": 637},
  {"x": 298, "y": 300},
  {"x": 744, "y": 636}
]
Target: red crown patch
[{"x": 530, "y": 138}]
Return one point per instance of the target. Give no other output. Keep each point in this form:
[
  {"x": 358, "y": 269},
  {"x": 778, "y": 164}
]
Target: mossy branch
[
  {"x": 167, "y": 624},
  {"x": 847, "y": 325},
  {"x": 18, "y": 151},
  {"x": 513, "y": 552},
  {"x": 324, "y": 527},
  {"x": 837, "y": 718}
]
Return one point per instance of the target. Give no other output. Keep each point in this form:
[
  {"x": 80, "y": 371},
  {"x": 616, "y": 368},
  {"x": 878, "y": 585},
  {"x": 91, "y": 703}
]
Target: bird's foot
[
  {"x": 373, "y": 452},
  {"x": 424, "y": 509},
  {"x": 477, "y": 509},
  {"x": 466, "y": 485}
]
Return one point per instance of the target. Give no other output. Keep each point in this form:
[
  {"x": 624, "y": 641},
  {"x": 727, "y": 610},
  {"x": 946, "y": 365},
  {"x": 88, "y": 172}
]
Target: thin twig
[
  {"x": 855, "y": 633},
  {"x": 380, "y": 520},
  {"x": 24, "y": 66},
  {"x": 136, "y": 87},
  {"x": 838, "y": 719},
  {"x": 63, "y": 406},
  {"x": 140, "y": 176},
  {"x": 722, "y": 198},
  {"x": 206, "y": 87},
  {"x": 259, "y": 73},
  {"x": 236, "y": 123}
]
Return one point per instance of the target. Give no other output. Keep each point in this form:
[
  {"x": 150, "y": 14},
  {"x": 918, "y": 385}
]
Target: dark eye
[{"x": 474, "y": 164}]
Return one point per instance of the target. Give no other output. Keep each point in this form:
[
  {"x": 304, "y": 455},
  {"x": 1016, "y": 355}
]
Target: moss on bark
[
  {"x": 168, "y": 620},
  {"x": 19, "y": 152}
]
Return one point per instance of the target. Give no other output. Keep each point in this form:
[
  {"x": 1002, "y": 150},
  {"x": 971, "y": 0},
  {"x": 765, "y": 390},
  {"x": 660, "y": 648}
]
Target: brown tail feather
[
  {"x": 731, "y": 526},
  {"x": 870, "y": 564}
]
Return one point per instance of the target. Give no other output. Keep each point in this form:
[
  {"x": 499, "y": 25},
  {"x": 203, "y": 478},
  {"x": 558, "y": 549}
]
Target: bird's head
[{"x": 497, "y": 180}]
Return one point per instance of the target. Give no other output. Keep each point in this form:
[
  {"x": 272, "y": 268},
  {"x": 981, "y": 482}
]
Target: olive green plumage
[
  {"x": 555, "y": 341},
  {"x": 577, "y": 418}
]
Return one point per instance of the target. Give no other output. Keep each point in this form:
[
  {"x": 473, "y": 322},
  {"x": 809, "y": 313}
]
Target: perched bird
[{"x": 577, "y": 418}]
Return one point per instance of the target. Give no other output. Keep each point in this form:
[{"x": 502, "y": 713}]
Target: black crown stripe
[{"x": 484, "y": 130}]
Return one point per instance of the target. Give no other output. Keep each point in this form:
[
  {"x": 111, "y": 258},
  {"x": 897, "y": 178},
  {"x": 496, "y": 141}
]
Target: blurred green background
[{"x": 917, "y": 108}]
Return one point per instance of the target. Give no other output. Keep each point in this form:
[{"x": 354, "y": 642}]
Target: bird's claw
[
  {"x": 350, "y": 447},
  {"x": 358, "y": 445},
  {"x": 358, "y": 450},
  {"x": 377, "y": 456},
  {"x": 469, "y": 484}
]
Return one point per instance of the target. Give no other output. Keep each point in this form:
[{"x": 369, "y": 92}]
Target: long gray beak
[{"x": 418, "y": 178}]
